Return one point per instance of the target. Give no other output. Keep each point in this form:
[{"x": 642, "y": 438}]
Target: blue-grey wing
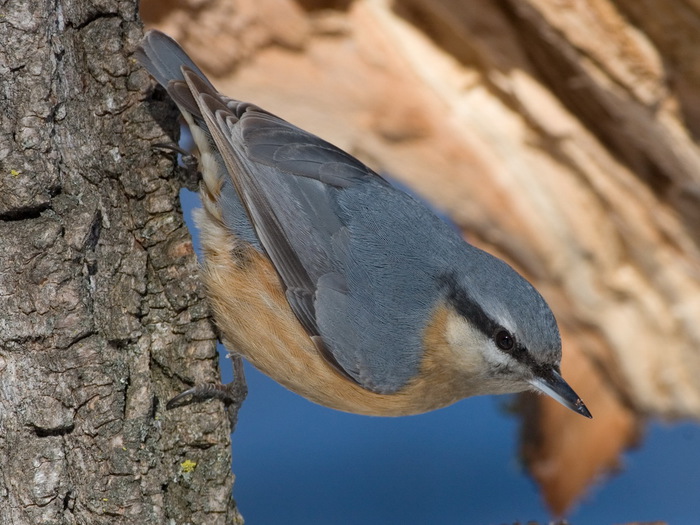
[
  {"x": 350, "y": 250},
  {"x": 356, "y": 257},
  {"x": 367, "y": 253}
]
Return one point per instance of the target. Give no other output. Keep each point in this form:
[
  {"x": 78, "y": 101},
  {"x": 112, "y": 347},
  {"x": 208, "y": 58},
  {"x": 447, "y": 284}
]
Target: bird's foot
[
  {"x": 187, "y": 162},
  {"x": 232, "y": 394}
]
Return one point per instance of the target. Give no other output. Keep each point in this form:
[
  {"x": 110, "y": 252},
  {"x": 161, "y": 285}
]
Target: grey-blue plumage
[{"x": 364, "y": 266}]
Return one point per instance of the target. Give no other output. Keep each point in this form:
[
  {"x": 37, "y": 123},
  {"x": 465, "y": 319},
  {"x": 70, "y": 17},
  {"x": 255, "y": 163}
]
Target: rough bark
[
  {"x": 558, "y": 134},
  {"x": 102, "y": 315}
]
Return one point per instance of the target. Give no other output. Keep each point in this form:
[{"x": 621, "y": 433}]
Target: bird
[{"x": 336, "y": 284}]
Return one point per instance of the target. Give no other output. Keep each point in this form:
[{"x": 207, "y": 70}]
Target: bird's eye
[{"x": 504, "y": 340}]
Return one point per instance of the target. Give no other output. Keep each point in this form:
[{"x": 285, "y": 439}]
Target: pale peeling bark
[
  {"x": 102, "y": 316},
  {"x": 558, "y": 134}
]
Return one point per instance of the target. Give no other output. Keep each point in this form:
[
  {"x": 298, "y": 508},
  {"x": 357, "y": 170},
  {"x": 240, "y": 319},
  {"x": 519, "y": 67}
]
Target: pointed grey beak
[{"x": 553, "y": 384}]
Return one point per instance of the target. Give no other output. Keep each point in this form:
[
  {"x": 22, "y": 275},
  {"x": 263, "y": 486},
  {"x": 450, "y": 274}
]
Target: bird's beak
[{"x": 553, "y": 384}]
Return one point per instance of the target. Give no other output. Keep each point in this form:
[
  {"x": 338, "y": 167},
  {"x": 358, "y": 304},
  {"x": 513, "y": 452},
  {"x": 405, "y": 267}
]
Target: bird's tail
[
  {"x": 173, "y": 69},
  {"x": 164, "y": 58}
]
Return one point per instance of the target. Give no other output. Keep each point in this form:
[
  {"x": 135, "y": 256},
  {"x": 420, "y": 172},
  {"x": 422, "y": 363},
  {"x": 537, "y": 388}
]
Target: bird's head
[{"x": 503, "y": 333}]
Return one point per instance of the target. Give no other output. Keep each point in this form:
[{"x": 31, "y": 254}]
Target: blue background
[{"x": 299, "y": 463}]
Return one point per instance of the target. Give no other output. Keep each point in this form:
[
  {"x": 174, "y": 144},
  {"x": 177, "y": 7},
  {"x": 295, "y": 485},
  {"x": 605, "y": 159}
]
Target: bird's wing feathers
[
  {"x": 295, "y": 187},
  {"x": 223, "y": 123},
  {"x": 339, "y": 236}
]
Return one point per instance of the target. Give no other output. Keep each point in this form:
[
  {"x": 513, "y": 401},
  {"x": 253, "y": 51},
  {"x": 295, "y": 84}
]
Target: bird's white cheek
[
  {"x": 466, "y": 343},
  {"x": 473, "y": 351}
]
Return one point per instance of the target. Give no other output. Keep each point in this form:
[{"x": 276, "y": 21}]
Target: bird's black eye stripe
[
  {"x": 466, "y": 307},
  {"x": 470, "y": 309}
]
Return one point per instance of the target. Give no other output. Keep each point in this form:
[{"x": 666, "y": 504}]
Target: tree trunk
[{"x": 102, "y": 313}]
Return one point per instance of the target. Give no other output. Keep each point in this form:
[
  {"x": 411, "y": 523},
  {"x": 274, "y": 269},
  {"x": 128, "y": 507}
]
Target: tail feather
[
  {"x": 164, "y": 58},
  {"x": 168, "y": 63}
]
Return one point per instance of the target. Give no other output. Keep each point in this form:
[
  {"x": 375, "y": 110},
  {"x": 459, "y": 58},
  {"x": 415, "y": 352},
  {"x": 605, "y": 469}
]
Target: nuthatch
[{"x": 339, "y": 286}]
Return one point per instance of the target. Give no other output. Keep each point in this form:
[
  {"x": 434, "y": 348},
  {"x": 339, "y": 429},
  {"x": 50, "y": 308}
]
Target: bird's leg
[
  {"x": 189, "y": 159},
  {"x": 232, "y": 394},
  {"x": 173, "y": 147}
]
